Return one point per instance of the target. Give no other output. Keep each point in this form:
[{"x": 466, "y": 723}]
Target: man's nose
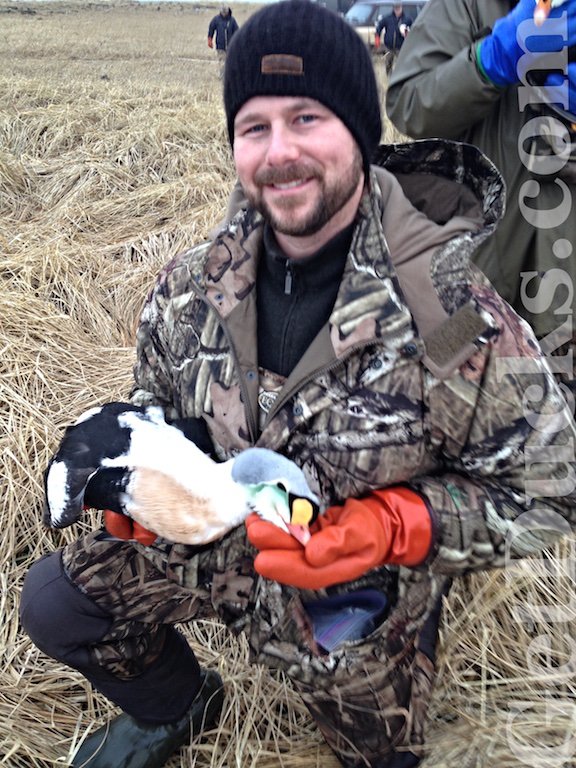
[{"x": 282, "y": 146}]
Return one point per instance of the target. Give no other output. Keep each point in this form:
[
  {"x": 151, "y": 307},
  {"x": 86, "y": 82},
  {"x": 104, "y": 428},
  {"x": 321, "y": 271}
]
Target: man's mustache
[{"x": 286, "y": 174}]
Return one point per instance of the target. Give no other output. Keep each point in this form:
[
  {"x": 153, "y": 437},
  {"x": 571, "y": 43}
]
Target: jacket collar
[{"x": 403, "y": 243}]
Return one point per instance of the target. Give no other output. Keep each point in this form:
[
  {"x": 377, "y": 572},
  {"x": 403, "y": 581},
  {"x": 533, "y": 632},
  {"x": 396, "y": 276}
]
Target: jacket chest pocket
[{"x": 363, "y": 429}]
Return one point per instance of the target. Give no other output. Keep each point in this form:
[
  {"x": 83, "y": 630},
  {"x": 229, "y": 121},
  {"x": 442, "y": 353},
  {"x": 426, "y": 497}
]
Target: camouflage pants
[{"x": 369, "y": 699}]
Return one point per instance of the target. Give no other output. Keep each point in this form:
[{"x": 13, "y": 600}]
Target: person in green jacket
[{"x": 463, "y": 75}]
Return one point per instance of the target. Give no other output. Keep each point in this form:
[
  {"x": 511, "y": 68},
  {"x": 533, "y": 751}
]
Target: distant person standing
[
  {"x": 395, "y": 27},
  {"x": 223, "y": 26}
]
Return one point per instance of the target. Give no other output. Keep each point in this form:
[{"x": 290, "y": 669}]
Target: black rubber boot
[{"x": 127, "y": 743}]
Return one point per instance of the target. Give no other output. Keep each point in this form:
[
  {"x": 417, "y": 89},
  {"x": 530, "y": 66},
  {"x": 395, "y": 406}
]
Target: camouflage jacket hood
[{"x": 418, "y": 378}]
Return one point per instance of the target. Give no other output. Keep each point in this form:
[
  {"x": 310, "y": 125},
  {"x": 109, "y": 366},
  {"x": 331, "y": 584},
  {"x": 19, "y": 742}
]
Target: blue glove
[
  {"x": 498, "y": 54},
  {"x": 560, "y": 92}
]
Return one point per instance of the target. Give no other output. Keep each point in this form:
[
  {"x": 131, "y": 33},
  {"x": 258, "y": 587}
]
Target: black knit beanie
[{"x": 299, "y": 48}]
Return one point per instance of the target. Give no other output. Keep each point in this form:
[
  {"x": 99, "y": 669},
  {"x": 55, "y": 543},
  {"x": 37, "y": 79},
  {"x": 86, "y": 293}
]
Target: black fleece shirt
[{"x": 295, "y": 298}]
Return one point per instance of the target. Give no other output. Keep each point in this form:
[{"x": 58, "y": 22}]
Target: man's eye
[
  {"x": 252, "y": 129},
  {"x": 308, "y": 118}
]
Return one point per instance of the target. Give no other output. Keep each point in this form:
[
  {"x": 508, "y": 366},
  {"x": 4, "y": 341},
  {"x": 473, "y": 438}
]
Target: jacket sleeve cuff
[{"x": 480, "y": 66}]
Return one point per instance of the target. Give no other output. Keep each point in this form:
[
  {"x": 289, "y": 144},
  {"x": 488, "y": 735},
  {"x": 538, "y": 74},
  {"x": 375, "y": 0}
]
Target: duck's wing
[
  {"x": 94, "y": 436},
  {"x": 102, "y": 449}
]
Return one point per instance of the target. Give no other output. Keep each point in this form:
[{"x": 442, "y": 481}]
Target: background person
[
  {"x": 222, "y": 27},
  {"x": 459, "y": 77},
  {"x": 395, "y": 27},
  {"x": 338, "y": 323}
]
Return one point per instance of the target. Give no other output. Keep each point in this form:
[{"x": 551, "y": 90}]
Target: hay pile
[{"x": 113, "y": 157}]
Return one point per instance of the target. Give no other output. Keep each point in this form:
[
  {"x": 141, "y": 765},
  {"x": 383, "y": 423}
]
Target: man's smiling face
[{"x": 298, "y": 164}]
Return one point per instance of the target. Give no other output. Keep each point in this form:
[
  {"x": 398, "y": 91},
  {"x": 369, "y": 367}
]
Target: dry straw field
[{"x": 113, "y": 157}]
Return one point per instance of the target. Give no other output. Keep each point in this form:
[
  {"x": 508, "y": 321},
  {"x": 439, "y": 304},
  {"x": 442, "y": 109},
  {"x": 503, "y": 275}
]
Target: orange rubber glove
[
  {"x": 125, "y": 528},
  {"x": 391, "y": 526},
  {"x": 210, "y": 43},
  {"x": 377, "y": 42}
]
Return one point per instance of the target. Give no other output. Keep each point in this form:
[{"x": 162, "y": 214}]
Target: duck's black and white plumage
[{"x": 167, "y": 484}]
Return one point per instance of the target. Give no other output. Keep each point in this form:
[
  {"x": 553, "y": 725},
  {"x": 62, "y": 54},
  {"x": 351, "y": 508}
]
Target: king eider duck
[{"x": 167, "y": 484}]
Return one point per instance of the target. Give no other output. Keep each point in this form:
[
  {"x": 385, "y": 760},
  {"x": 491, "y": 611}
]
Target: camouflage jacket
[{"x": 423, "y": 376}]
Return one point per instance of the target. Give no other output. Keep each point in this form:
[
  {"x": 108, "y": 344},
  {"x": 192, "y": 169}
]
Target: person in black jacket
[
  {"x": 395, "y": 27},
  {"x": 222, "y": 26}
]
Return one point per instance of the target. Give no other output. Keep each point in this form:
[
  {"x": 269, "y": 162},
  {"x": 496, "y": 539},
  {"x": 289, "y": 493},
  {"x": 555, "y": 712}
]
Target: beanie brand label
[{"x": 282, "y": 64}]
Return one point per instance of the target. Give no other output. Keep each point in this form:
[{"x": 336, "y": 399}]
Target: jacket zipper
[
  {"x": 250, "y": 418},
  {"x": 288, "y": 278}
]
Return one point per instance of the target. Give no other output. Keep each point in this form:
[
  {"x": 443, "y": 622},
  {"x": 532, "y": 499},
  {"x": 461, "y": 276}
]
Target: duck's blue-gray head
[{"x": 277, "y": 489}]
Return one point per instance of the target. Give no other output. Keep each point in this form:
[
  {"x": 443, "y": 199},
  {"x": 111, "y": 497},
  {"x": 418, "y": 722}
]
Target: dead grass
[{"x": 113, "y": 157}]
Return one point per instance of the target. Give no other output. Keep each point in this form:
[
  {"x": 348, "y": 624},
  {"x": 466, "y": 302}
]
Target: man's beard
[{"x": 330, "y": 200}]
